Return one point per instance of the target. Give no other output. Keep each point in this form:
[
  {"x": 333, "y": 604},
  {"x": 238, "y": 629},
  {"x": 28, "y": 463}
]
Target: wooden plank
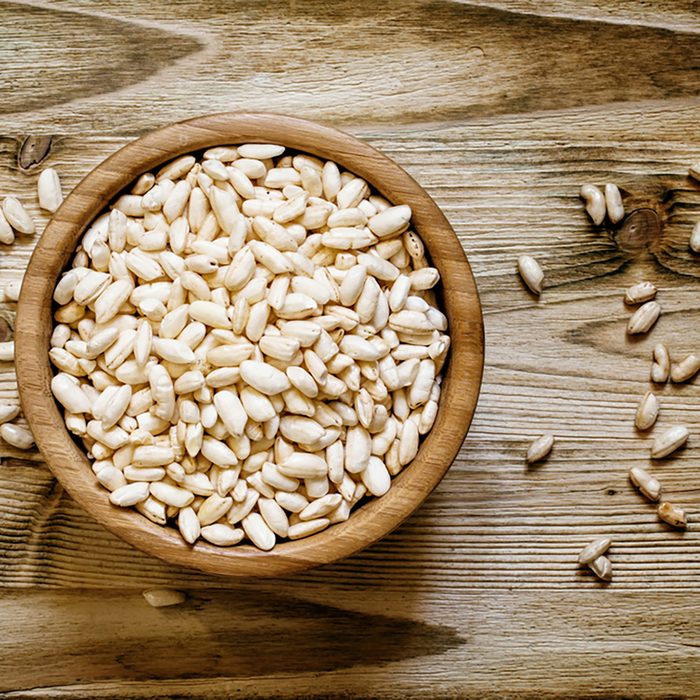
[
  {"x": 670, "y": 14},
  {"x": 513, "y": 192},
  {"x": 501, "y": 110},
  {"x": 361, "y": 63},
  {"x": 258, "y": 642},
  {"x": 469, "y": 536}
]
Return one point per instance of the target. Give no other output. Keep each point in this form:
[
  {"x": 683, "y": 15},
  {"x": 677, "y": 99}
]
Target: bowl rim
[{"x": 461, "y": 383}]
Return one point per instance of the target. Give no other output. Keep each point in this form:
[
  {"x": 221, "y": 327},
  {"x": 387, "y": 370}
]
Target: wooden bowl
[{"x": 69, "y": 462}]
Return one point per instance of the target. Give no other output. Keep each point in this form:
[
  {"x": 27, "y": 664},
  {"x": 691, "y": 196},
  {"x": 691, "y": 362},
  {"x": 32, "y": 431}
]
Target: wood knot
[
  {"x": 5, "y": 330},
  {"x": 641, "y": 230},
  {"x": 34, "y": 150}
]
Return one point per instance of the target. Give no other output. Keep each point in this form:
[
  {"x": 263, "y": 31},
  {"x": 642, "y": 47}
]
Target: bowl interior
[{"x": 462, "y": 377}]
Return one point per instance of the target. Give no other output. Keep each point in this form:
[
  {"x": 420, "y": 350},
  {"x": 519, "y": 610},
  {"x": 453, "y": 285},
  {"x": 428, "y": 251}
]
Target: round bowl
[{"x": 460, "y": 301}]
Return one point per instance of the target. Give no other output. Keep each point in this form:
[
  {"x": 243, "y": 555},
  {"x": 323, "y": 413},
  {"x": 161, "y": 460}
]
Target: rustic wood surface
[{"x": 500, "y": 110}]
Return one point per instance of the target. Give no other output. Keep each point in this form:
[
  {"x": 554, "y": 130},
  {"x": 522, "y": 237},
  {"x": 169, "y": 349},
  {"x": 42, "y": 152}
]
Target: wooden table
[{"x": 501, "y": 110}]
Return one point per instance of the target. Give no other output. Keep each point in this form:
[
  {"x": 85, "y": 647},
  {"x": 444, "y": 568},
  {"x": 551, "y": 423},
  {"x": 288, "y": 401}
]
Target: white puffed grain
[
  {"x": 258, "y": 532},
  {"x": 49, "y": 190},
  {"x": 17, "y": 216},
  {"x": 307, "y": 528},
  {"x": 222, "y": 535},
  {"x": 164, "y": 597}
]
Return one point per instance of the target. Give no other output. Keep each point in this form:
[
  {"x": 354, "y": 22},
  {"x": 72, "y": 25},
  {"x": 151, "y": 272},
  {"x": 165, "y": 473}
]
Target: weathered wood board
[{"x": 501, "y": 112}]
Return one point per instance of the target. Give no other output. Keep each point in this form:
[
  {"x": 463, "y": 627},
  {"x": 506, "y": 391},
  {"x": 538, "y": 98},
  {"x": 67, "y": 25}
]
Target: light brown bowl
[{"x": 378, "y": 516}]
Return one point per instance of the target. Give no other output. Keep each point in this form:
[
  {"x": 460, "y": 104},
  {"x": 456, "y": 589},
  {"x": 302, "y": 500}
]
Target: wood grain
[
  {"x": 283, "y": 644},
  {"x": 91, "y": 55},
  {"x": 491, "y": 555},
  {"x": 354, "y": 63}
]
